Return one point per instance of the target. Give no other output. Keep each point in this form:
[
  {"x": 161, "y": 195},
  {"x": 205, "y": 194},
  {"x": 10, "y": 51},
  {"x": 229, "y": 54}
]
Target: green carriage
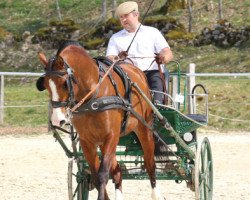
[{"x": 184, "y": 160}]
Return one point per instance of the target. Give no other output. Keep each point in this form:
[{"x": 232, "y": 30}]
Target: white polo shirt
[{"x": 147, "y": 42}]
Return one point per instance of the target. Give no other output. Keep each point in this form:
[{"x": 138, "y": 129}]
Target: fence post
[
  {"x": 190, "y": 84},
  {"x": 175, "y": 89},
  {"x": 1, "y": 99}
]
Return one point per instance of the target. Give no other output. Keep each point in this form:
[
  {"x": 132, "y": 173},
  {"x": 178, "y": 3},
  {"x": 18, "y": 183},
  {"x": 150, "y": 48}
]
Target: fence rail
[{"x": 5, "y": 103}]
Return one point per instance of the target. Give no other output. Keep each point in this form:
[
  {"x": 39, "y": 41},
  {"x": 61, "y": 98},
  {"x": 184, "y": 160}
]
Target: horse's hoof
[
  {"x": 118, "y": 195},
  {"x": 156, "y": 194}
]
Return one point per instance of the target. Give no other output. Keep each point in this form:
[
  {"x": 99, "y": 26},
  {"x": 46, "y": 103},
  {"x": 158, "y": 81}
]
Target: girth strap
[
  {"x": 102, "y": 104},
  {"x": 108, "y": 103}
]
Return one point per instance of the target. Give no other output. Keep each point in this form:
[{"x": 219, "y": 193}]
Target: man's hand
[
  {"x": 123, "y": 55},
  {"x": 159, "y": 59}
]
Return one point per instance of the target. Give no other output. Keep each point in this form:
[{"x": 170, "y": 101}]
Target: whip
[{"x": 140, "y": 25}]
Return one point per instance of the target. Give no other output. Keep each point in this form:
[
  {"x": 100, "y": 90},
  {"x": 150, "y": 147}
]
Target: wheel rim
[
  {"x": 77, "y": 183},
  {"x": 204, "y": 171}
]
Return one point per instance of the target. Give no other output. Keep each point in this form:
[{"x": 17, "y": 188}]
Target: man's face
[{"x": 129, "y": 21}]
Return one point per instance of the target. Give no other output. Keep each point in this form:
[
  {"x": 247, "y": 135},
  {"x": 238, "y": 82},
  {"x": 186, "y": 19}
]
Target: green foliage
[
  {"x": 113, "y": 24},
  {"x": 3, "y": 4},
  {"x": 173, "y": 5},
  {"x": 99, "y": 36},
  {"x": 55, "y": 33},
  {"x": 67, "y": 25},
  {"x": 179, "y": 35},
  {"x": 160, "y": 21},
  {"x": 3, "y": 34},
  {"x": 94, "y": 43}
]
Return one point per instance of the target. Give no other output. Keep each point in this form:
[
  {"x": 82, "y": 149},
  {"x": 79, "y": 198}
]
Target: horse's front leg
[
  {"x": 92, "y": 158},
  {"x": 108, "y": 155}
]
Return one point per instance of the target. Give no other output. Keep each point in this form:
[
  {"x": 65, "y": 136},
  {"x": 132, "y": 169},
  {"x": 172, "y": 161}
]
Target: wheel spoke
[
  {"x": 77, "y": 183},
  {"x": 76, "y": 190}
]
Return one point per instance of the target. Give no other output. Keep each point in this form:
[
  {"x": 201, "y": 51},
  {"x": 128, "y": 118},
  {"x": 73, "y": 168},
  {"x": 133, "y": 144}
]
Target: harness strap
[
  {"x": 127, "y": 85},
  {"x": 93, "y": 90},
  {"x": 58, "y": 104},
  {"x": 108, "y": 103}
]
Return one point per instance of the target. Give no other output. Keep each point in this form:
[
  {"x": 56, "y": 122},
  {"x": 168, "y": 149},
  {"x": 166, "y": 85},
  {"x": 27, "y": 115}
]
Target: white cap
[{"x": 126, "y": 8}]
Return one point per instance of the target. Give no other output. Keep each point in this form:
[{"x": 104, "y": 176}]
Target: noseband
[{"x": 70, "y": 79}]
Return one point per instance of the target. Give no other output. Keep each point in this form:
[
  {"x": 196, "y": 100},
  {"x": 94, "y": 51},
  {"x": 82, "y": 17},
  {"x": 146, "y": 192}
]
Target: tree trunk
[
  {"x": 114, "y": 3},
  {"x": 104, "y": 10},
  {"x": 58, "y": 10},
  {"x": 220, "y": 10},
  {"x": 190, "y": 19}
]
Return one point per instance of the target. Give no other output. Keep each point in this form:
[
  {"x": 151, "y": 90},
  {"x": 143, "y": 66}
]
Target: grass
[
  {"x": 229, "y": 104},
  {"x": 214, "y": 59},
  {"x": 24, "y": 104}
]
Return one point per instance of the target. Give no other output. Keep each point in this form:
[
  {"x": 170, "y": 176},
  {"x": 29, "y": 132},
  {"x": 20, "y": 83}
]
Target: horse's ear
[
  {"x": 43, "y": 59},
  {"x": 40, "y": 84}
]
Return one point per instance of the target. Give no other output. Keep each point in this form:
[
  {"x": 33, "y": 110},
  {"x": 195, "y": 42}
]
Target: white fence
[
  {"x": 2, "y": 84},
  {"x": 191, "y": 77}
]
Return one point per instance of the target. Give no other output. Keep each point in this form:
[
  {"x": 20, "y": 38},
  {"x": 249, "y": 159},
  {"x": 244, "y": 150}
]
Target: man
[{"x": 148, "y": 49}]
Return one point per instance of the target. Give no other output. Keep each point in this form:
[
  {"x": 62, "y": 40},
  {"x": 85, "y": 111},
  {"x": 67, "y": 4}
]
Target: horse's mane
[{"x": 66, "y": 43}]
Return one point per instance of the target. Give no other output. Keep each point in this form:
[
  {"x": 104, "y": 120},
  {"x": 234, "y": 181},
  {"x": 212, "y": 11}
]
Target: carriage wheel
[
  {"x": 204, "y": 172},
  {"x": 78, "y": 184}
]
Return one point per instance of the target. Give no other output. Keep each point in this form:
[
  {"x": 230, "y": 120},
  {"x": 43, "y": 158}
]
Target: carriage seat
[{"x": 198, "y": 117}]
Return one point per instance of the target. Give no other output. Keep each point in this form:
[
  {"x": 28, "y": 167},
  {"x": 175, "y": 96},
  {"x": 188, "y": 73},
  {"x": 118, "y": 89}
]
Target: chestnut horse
[{"x": 72, "y": 74}]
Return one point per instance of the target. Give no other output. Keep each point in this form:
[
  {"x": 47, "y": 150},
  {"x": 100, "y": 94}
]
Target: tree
[
  {"x": 104, "y": 10},
  {"x": 114, "y": 3},
  {"x": 58, "y": 10},
  {"x": 220, "y": 10},
  {"x": 190, "y": 15}
]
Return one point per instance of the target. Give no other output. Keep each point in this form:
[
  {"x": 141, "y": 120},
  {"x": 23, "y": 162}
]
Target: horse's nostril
[{"x": 62, "y": 122}]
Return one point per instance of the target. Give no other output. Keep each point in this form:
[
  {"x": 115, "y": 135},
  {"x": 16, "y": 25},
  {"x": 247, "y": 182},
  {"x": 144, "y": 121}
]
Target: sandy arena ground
[{"x": 34, "y": 167}]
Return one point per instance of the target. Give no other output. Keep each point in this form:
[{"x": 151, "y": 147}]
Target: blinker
[{"x": 40, "y": 83}]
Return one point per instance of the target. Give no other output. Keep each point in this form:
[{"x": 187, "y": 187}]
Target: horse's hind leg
[
  {"x": 116, "y": 174},
  {"x": 147, "y": 142}
]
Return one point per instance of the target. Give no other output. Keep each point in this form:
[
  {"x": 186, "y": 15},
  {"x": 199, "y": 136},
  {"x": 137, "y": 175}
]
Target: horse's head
[{"x": 60, "y": 82}]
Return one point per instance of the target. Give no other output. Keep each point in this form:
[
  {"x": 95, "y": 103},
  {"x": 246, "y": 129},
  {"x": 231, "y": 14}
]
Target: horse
[{"x": 71, "y": 75}]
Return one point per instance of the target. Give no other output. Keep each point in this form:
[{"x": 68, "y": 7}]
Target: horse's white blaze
[
  {"x": 57, "y": 114},
  {"x": 118, "y": 195},
  {"x": 156, "y": 194}
]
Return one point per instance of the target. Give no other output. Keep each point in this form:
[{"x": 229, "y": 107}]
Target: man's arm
[{"x": 166, "y": 55}]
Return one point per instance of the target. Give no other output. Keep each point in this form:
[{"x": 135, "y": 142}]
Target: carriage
[{"x": 183, "y": 158}]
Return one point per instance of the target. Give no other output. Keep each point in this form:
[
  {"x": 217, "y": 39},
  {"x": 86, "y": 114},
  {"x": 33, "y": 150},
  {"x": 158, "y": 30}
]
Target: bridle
[{"x": 67, "y": 74}]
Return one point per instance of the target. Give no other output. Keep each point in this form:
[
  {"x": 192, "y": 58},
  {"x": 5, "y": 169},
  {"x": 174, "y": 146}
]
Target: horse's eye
[{"x": 65, "y": 86}]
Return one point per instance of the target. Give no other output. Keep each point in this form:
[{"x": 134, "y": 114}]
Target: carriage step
[{"x": 198, "y": 117}]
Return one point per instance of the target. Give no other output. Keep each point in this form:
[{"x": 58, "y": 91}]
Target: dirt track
[{"x": 35, "y": 167}]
